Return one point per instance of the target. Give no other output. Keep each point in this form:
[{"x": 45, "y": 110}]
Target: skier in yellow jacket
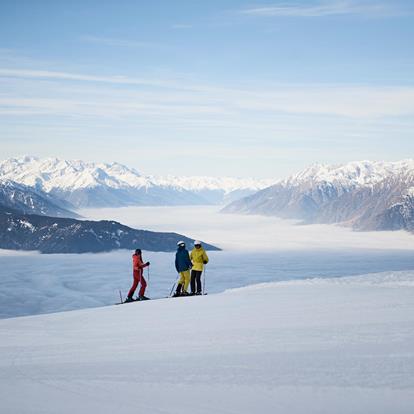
[{"x": 199, "y": 258}]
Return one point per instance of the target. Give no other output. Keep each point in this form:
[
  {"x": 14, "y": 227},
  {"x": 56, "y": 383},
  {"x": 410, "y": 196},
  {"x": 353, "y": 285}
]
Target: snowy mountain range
[
  {"x": 364, "y": 195},
  {"x": 84, "y": 184},
  {"x": 37, "y": 196}
]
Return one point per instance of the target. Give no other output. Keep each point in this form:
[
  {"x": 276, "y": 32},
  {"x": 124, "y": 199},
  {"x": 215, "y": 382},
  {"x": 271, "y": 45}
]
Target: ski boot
[{"x": 178, "y": 291}]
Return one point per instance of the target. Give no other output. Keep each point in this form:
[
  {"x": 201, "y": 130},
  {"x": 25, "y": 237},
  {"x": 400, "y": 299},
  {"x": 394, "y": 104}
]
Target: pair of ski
[
  {"x": 132, "y": 301},
  {"x": 166, "y": 297}
]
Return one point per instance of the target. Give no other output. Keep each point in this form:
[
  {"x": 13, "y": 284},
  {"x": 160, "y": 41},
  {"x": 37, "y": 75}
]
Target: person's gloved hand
[
  {"x": 205, "y": 261},
  {"x": 147, "y": 264}
]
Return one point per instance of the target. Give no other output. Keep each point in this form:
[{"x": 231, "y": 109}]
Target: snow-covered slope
[
  {"x": 86, "y": 184},
  {"x": 352, "y": 175},
  {"x": 215, "y": 190},
  {"x": 366, "y": 195},
  {"x": 317, "y": 346},
  {"x": 29, "y": 200}
]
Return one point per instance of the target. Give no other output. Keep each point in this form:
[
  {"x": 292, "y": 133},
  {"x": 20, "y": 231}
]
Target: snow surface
[{"x": 318, "y": 346}]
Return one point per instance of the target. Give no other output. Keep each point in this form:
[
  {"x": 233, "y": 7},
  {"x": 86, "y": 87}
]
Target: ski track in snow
[{"x": 341, "y": 345}]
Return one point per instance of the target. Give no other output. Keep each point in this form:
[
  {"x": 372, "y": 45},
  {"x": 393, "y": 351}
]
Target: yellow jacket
[{"x": 198, "y": 257}]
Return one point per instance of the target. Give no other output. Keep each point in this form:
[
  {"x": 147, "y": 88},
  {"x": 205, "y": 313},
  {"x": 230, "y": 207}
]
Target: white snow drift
[{"x": 317, "y": 346}]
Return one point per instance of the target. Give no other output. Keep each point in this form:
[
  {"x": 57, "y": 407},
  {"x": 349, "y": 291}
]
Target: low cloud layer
[{"x": 252, "y": 233}]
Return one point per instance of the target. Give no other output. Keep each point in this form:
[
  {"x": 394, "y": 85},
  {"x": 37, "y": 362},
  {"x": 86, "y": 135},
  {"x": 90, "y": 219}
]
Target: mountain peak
[
  {"x": 89, "y": 184},
  {"x": 352, "y": 174},
  {"x": 367, "y": 195}
]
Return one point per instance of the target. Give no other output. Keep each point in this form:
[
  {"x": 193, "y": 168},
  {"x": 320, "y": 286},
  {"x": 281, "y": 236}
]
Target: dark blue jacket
[{"x": 182, "y": 260}]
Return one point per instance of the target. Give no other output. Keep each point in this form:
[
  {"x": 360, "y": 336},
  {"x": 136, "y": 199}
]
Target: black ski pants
[{"x": 196, "y": 281}]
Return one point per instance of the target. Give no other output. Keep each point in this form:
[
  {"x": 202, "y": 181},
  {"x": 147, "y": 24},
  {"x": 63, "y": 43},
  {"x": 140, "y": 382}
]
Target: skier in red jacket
[{"x": 138, "y": 266}]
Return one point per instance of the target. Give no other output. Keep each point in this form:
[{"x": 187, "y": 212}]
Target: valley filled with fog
[
  {"x": 237, "y": 232},
  {"x": 255, "y": 249}
]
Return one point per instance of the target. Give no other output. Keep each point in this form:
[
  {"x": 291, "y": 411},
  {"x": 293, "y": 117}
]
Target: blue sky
[{"x": 238, "y": 88}]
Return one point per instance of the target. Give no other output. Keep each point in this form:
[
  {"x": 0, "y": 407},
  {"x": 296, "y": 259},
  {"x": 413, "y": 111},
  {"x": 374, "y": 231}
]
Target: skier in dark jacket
[{"x": 183, "y": 265}]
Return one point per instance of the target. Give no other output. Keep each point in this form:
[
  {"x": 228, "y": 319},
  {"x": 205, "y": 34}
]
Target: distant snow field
[{"x": 314, "y": 346}]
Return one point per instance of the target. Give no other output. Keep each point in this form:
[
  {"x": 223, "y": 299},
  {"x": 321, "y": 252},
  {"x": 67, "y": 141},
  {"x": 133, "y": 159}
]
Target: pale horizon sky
[{"x": 220, "y": 88}]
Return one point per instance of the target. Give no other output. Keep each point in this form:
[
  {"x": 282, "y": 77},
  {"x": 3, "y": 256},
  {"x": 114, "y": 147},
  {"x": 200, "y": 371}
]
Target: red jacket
[{"x": 137, "y": 263}]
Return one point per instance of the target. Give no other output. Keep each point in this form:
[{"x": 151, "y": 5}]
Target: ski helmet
[
  {"x": 180, "y": 243},
  {"x": 138, "y": 251},
  {"x": 197, "y": 243}
]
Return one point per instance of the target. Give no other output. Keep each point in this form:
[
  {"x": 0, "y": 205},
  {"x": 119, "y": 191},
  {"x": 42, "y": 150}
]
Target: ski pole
[
  {"x": 173, "y": 286},
  {"x": 204, "y": 279},
  {"x": 120, "y": 295},
  {"x": 148, "y": 273}
]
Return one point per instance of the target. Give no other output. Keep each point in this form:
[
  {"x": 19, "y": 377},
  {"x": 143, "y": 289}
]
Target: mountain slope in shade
[
  {"x": 19, "y": 231},
  {"x": 365, "y": 195},
  {"x": 84, "y": 184},
  {"x": 30, "y": 201}
]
